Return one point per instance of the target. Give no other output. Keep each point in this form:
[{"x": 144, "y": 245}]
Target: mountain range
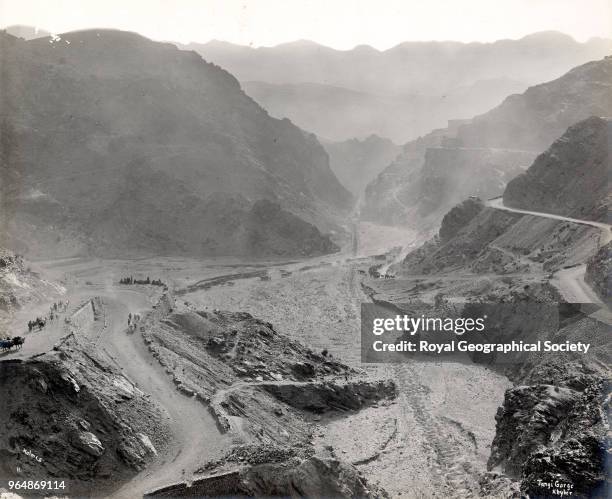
[{"x": 399, "y": 93}]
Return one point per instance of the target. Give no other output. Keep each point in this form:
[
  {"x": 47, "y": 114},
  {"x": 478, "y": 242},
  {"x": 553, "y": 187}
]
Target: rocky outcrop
[
  {"x": 458, "y": 217},
  {"x": 552, "y": 428},
  {"x": 331, "y": 397},
  {"x": 526, "y": 421},
  {"x": 554, "y": 437},
  {"x": 577, "y": 458},
  {"x": 232, "y": 346},
  {"x": 571, "y": 177}
]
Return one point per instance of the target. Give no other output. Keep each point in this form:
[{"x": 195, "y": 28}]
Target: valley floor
[{"x": 432, "y": 441}]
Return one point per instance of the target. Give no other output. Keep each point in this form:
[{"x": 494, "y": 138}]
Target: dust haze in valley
[{"x": 188, "y": 232}]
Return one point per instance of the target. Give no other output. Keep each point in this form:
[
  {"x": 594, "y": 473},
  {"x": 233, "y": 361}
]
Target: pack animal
[{"x": 9, "y": 343}]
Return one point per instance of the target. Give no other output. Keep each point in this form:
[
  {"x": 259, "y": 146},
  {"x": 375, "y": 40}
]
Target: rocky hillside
[
  {"x": 552, "y": 427},
  {"x": 356, "y": 162},
  {"x": 500, "y": 242},
  {"x": 73, "y": 416},
  {"x": 571, "y": 177},
  {"x": 108, "y": 136},
  {"x": 522, "y": 126},
  {"x": 423, "y": 183}
]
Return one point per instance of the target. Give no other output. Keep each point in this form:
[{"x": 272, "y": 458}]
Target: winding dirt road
[
  {"x": 196, "y": 438},
  {"x": 570, "y": 282},
  {"x": 606, "y": 229}
]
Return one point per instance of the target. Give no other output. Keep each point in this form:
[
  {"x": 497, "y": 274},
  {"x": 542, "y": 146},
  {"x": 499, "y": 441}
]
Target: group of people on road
[
  {"x": 133, "y": 319},
  {"x": 147, "y": 281},
  {"x": 54, "y": 311}
]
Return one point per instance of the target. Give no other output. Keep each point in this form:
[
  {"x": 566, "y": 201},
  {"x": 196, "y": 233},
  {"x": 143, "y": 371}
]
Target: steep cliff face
[
  {"x": 548, "y": 434},
  {"x": 552, "y": 427},
  {"x": 513, "y": 134},
  {"x": 571, "y": 177},
  {"x": 98, "y": 119}
]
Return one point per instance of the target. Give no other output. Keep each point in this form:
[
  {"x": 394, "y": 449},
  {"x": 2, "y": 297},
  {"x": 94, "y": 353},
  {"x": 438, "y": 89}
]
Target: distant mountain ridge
[
  {"x": 99, "y": 124},
  {"x": 430, "y": 68},
  {"x": 399, "y": 93}
]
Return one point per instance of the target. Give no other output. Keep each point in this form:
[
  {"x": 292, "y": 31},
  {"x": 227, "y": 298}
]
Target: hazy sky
[{"x": 340, "y": 24}]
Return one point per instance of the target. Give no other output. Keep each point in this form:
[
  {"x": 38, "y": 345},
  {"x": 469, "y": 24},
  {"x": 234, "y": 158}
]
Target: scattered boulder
[{"x": 88, "y": 442}]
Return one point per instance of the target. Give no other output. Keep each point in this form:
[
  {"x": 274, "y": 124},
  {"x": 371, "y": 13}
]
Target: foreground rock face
[
  {"x": 552, "y": 427},
  {"x": 63, "y": 416},
  {"x": 550, "y": 434},
  {"x": 526, "y": 421},
  {"x": 571, "y": 177}
]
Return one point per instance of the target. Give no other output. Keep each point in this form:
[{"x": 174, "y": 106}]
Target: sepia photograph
[{"x": 327, "y": 249}]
